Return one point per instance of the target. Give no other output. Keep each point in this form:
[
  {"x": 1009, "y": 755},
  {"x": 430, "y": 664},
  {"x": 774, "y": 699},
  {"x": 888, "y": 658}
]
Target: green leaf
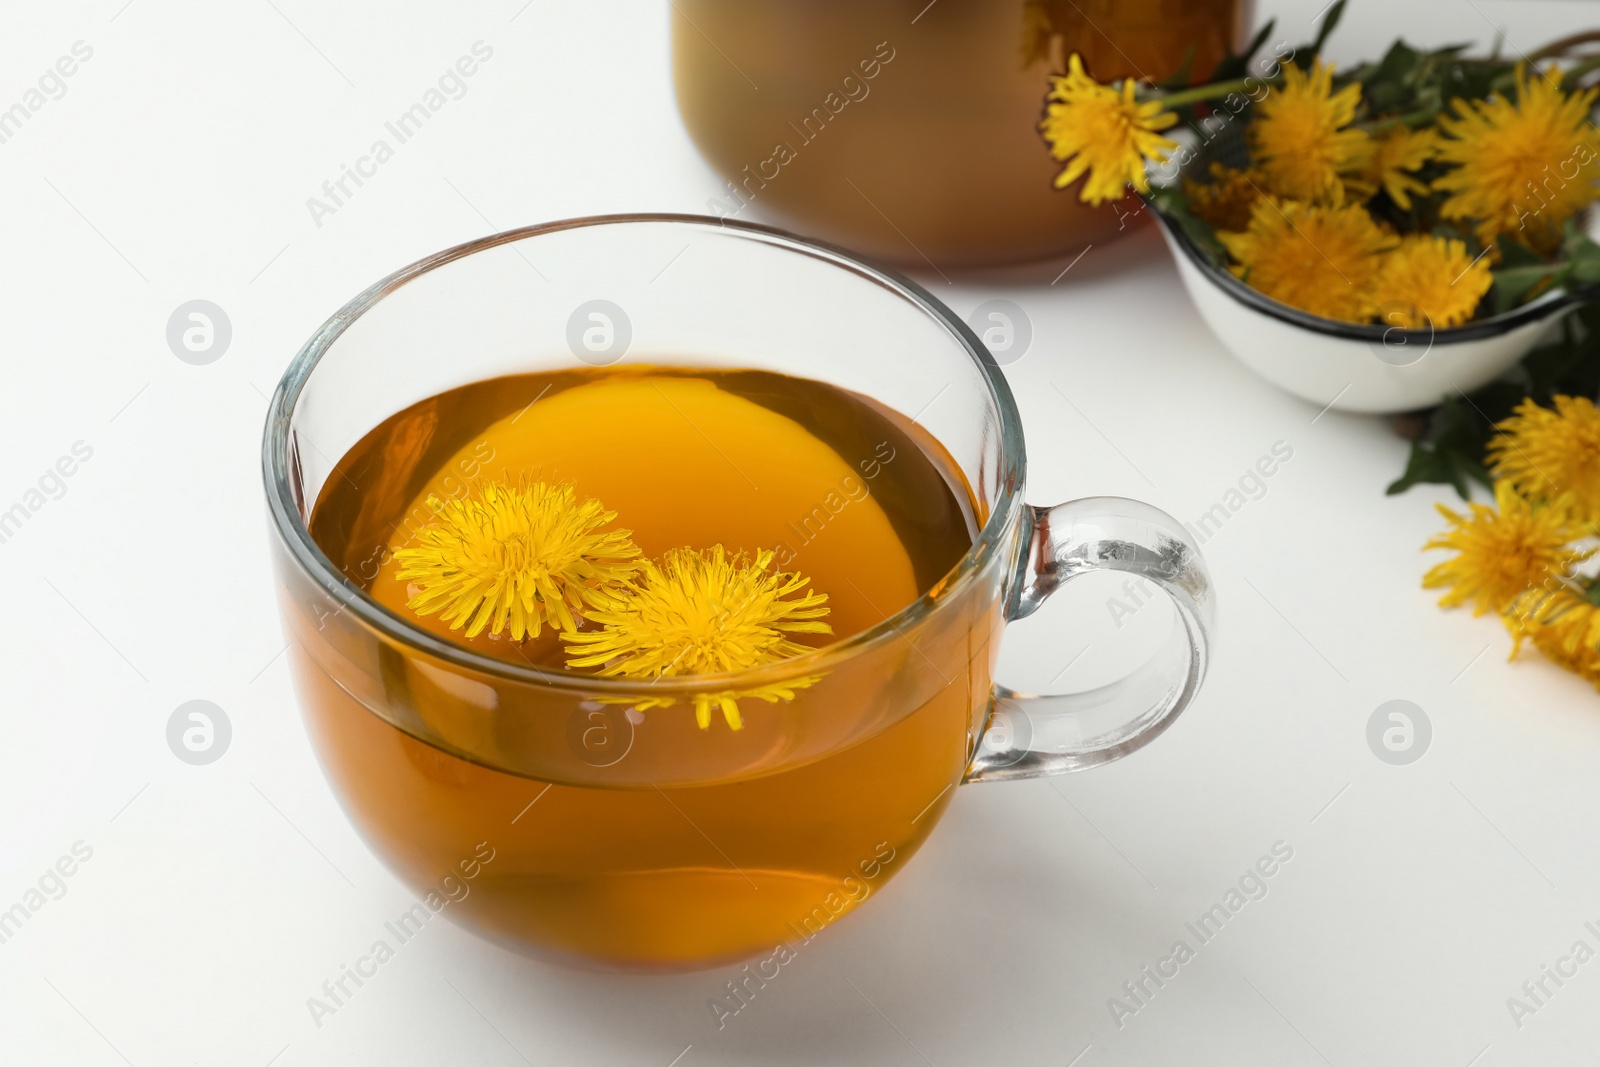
[
  {"x": 1259, "y": 39},
  {"x": 1180, "y": 78},
  {"x": 1329, "y": 21},
  {"x": 1513, "y": 254},
  {"x": 1476, "y": 79},
  {"x": 1424, "y": 466},
  {"x": 1569, "y": 364},
  {"x": 1451, "y": 448},
  {"x": 1440, "y": 467},
  {"x": 1514, "y": 284},
  {"x": 1586, "y": 263},
  {"x": 1399, "y": 61},
  {"x": 1237, "y": 66},
  {"x": 1450, "y": 451},
  {"x": 1582, "y": 253}
]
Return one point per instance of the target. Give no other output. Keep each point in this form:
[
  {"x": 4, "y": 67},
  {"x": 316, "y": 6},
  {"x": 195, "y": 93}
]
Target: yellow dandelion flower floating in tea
[
  {"x": 1523, "y": 168},
  {"x": 1103, "y": 132},
  {"x": 1320, "y": 259},
  {"x": 1225, "y": 201},
  {"x": 516, "y": 556},
  {"x": 1430, "y": 282},
  {"x": 1502, "y": 553},
  {"x": 704, "y": 612},
  {"x": 1299, "y": 138},
  {"x": 1547, "y": 453},
  {"x": 1566, "y": 628},
  {"x": 1395, "y": 157}
]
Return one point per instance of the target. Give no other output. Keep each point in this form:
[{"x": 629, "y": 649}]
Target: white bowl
[{"x": 1352, "y": 367}]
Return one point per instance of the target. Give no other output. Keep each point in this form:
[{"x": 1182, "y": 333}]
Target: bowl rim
[
  {"x": 1493, "y": 326},
  {"x": 993, "y": 538}
]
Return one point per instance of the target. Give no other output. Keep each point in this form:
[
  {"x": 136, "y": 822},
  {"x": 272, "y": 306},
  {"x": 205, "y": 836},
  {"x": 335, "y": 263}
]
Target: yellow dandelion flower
[
  {"x": 1320, "y": 259},
  {"x": 704, "y": 613},
  {"x": 516, "y": 555},
  {"x": 1566, "y": 628},
  {"x": 1523, "y": 168},
  {"x": 1548, "y": 453},
  {"x": 1225, "y": 201},
  {"x": 1104, "y": 133},
  {"x": 1395, "y": 157},
  {"x": 1502, "y": 553},
  {"x": 1430, "y": 282},
  {"x": 1299, "y": 138}
]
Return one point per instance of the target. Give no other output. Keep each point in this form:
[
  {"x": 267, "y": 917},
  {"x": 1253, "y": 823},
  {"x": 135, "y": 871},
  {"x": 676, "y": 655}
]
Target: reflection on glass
[{"x": 906, "y": 130}]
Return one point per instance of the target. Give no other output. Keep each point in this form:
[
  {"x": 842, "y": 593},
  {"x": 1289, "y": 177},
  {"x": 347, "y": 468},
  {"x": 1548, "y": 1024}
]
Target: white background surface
[{"x": 218, "y": 898}]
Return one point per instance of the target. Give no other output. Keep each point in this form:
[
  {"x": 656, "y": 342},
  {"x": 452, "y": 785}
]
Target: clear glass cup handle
[{"x": 1029, "y": 735}]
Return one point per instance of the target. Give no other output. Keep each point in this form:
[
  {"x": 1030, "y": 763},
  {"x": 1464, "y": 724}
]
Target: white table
[{"x": 176, "y": 165}]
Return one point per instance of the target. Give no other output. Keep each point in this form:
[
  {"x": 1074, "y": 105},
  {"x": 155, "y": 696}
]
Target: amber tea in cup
[{"x": 709, "y": 385}]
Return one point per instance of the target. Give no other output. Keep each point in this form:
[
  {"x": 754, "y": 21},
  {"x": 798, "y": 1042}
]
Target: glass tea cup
[{"x": 543, "y": 808}]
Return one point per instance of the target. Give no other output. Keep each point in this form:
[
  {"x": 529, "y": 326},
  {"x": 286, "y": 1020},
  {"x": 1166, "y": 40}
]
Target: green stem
[
  {"x": 1534, "y": 270},
  {"x": 1213, "y": 91},
  {"x": 1411, "y": 119}
]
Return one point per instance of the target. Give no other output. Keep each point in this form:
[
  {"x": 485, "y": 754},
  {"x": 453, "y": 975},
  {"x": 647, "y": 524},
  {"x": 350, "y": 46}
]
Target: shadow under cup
[{"x": 540, "y": 808}]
